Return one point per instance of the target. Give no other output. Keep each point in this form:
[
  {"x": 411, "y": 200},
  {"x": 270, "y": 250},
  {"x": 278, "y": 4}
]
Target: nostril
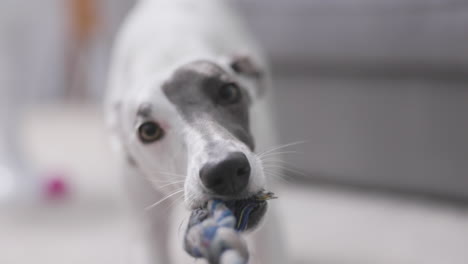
[
  {"x": 217, "y": 181},
  {"x": 245, "y": 171}
]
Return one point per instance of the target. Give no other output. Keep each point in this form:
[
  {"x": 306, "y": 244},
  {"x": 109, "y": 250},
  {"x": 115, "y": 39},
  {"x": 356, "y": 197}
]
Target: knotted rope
[{"x": 214, "y": 231}]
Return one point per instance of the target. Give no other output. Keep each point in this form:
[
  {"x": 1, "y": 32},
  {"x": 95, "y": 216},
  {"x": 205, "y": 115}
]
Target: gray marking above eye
[{"x": 144, "y": 110}]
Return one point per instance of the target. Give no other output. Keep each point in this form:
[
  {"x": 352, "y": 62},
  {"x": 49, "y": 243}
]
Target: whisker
[
  {"x": 272, "y": 160},
  {"x": 176, "y": 200},
  {"x": 190, "y": 198},
  {"x": 286, "y": 169},
  {"x": 163, "y": 199},
  {"x": 281, "y": 147},
  {"x": 162, "y": 181},
  {"x": 279, "y": 153},
  {"x": 281, "y": 165},
  {"x": 278, "y": 178},
  {"x": 171, "y": 183},
  {"x": 170, "y": 174},
  {"x": 181, "y": 224}
]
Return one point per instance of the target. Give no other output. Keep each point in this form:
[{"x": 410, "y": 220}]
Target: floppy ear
[{"x": 244, "y": 65}]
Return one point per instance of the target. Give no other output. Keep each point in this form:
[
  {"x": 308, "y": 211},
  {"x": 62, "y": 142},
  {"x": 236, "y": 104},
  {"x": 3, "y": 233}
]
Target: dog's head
[{"x": 194, "y": 121}]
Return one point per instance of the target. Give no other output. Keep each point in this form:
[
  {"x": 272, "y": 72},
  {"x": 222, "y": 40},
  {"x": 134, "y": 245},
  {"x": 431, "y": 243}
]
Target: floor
[{"x": 323, "y": 225}]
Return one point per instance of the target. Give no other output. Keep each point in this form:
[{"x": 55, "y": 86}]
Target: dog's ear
[{"x": 244, "y": 65}]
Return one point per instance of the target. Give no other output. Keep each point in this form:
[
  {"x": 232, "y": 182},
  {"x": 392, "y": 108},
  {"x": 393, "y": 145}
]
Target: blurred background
[{"x": 378, "y": 90}]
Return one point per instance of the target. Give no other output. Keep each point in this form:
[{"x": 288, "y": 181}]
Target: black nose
[{"x": 229, "y": 176}]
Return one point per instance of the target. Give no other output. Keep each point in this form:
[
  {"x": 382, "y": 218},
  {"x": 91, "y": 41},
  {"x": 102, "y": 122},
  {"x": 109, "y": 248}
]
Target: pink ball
[{"x": 56, "y": 187}]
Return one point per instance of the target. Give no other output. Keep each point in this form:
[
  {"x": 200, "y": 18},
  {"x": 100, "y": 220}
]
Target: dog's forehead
[{"x": 203, "y": 68}]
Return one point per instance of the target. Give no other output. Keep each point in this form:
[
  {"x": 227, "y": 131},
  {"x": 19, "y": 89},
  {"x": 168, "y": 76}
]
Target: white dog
[{"x": 188, "y": 97}]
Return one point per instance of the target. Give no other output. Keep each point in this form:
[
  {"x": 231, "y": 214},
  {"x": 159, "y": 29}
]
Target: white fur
[{"x": 158, "y": 37}]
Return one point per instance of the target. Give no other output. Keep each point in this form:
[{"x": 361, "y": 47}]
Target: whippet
[{"x": 189, "y": 105}]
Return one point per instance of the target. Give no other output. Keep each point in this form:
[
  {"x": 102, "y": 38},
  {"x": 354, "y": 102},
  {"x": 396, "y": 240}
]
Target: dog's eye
[
  {"x": 229, "y": 94},
  {"x": 150, "y": 132}
]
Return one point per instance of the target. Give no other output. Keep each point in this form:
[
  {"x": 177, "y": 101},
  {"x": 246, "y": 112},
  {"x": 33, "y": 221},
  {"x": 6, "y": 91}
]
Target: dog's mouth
[{"x": 249, "y": 211}]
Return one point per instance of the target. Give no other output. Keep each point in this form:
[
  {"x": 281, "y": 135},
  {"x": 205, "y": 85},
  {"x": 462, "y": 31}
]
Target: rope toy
[{"x": 214, "y": 230}]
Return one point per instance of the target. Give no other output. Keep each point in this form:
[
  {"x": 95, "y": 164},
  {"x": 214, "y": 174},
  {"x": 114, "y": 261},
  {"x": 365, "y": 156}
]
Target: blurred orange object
[
  {"x": 84, "y": 23},
  {"x": 84, "y": 19}
]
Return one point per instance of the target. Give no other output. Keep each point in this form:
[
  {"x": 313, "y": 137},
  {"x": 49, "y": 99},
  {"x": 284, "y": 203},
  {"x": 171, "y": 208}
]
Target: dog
[{"x": 188, "y": 104}]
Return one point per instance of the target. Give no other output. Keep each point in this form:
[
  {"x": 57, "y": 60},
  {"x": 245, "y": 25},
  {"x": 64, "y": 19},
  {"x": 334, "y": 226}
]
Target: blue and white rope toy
[{"x": 214, "y": 231}]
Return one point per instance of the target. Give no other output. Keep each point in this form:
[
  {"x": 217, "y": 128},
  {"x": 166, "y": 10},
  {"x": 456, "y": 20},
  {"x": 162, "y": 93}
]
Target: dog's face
[{"x": 194, "y": 123}]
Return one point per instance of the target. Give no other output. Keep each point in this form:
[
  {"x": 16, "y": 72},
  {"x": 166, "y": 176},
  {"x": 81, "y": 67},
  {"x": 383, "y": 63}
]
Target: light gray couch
[{"x": 378, "y": 88}]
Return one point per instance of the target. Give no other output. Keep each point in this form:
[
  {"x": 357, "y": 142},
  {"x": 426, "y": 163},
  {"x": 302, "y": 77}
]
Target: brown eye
[
  {"x": 229, "y": 94},
  {"x": 150, "y": 132}
]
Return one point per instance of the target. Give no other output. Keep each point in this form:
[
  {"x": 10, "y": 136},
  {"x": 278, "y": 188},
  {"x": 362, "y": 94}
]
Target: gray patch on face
[
  {"x": 144, "y": 110},
  {"x": 194, "y": 88},
  {"x": 130, "y": 160}
]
